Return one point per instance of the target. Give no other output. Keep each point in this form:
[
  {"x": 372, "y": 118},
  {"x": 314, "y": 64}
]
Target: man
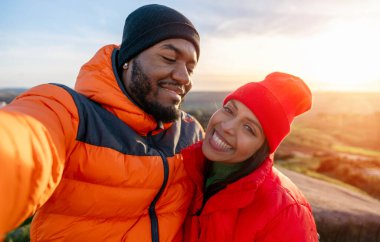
[{"x": 102, "y": 163}]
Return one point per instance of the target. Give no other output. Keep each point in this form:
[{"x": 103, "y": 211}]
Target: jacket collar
[
  {"x": 98, "y": 80},
  {"x": 236, "y": 195}
]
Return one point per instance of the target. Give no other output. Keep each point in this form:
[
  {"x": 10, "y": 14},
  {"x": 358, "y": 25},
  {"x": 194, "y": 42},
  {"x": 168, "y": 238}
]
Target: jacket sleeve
[
  {"x": 36, "y": 131},
  {"x": 295, "y": 223}
]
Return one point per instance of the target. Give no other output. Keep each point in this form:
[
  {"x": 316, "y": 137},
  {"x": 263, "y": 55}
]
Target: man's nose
[{"x": 181, "y": 74}]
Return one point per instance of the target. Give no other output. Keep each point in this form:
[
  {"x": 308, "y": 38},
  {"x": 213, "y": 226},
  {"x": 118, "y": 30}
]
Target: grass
[
  {"x": 357, "y": 151},
  {"x": 20, "y": 234},
  {"x": 311, "y": 138}
]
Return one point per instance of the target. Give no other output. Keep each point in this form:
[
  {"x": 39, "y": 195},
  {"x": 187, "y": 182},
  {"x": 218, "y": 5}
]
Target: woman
[{"x": 240, "y": 196}]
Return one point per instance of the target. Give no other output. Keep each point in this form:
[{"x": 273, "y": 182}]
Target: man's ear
[{"x": 125, "y": 72}]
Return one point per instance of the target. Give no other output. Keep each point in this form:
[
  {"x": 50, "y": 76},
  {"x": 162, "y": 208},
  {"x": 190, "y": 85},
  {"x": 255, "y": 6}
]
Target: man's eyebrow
[{"x": 171, "y": 47}]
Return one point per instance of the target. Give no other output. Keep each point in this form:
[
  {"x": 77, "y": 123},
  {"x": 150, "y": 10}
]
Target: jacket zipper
[{"x": 152, "y": 207}]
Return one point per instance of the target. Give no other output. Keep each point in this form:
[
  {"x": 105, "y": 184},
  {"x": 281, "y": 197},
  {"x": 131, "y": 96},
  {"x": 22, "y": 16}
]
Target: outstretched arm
[{"x": 35, "y": 134}]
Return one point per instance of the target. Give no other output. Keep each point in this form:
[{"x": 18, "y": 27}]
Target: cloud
[{"x": 272, "y": 17}]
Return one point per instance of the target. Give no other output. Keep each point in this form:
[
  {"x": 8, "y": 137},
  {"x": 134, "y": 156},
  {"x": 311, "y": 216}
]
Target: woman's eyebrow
[
  {"x": 250, "y": 120},
  {"x": 258, "y": 126},
  {"x": 233, "y": 104}
]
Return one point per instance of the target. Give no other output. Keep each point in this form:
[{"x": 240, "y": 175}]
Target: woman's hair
[{"x": 249, "y": 165}]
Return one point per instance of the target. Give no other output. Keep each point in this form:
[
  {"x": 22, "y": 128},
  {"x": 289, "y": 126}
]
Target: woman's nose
[{"x": 229, "y": 126}]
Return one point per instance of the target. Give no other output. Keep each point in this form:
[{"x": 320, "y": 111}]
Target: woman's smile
[{"x": 218, "y": 143}]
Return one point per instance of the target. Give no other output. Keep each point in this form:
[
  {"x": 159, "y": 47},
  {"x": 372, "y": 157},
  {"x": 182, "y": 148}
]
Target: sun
[{"x": 344, "y": 57}]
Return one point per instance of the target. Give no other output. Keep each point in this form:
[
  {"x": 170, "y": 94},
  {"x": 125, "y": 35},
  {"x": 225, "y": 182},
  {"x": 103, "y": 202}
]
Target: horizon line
[{"x": 230, "y": 90}]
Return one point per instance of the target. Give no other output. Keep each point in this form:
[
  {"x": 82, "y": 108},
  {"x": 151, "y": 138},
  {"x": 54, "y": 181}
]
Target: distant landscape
[{"x": 337, "y": 142}]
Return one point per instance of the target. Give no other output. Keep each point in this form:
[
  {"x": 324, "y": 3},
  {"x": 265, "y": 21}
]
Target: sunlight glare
[{"x": 345, "y": 57}]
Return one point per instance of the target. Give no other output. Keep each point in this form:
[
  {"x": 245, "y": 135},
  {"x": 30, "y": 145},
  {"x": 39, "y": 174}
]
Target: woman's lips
[{"x": 218, "y": 143}]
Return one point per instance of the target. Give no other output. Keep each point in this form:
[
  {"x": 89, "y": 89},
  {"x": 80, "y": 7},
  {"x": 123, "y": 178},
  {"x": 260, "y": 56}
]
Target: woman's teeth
[{"x": 220, "y": 143}]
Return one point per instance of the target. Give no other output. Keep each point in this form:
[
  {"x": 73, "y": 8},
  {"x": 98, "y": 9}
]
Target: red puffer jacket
[{"x": 264, "y": 206}]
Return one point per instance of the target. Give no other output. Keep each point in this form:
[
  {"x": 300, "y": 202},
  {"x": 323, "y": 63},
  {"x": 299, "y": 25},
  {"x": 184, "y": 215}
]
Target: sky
[{"x": 334, "y": 45}]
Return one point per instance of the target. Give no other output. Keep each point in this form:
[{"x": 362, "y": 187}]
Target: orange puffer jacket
[
  {"x": 264, "y": 206},
  {"x": 91, "y": 163}
]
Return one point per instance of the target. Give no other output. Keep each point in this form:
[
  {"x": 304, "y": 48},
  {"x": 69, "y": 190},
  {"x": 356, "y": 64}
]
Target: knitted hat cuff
[{"x": 176, "y": 30}]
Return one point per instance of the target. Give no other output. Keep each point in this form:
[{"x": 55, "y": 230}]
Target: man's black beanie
[{"x": 150, "y": 24}]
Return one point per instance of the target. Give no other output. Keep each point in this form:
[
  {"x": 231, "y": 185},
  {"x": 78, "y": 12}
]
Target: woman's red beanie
[{"x": 275, "y": 101}]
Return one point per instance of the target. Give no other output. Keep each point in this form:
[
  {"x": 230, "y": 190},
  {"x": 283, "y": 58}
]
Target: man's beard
[{"x": 140, "y": 87}]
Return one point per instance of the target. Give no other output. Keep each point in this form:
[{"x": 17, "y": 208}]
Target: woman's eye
[
  {"x": 249, "y": 129},
  {"x": 227, "y": 109},
  {"x": 168, "y": 59},
  {"x": 189, "y": 71}
]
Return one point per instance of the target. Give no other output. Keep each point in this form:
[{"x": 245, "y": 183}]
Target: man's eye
[{"x": 168, "y": 59}]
